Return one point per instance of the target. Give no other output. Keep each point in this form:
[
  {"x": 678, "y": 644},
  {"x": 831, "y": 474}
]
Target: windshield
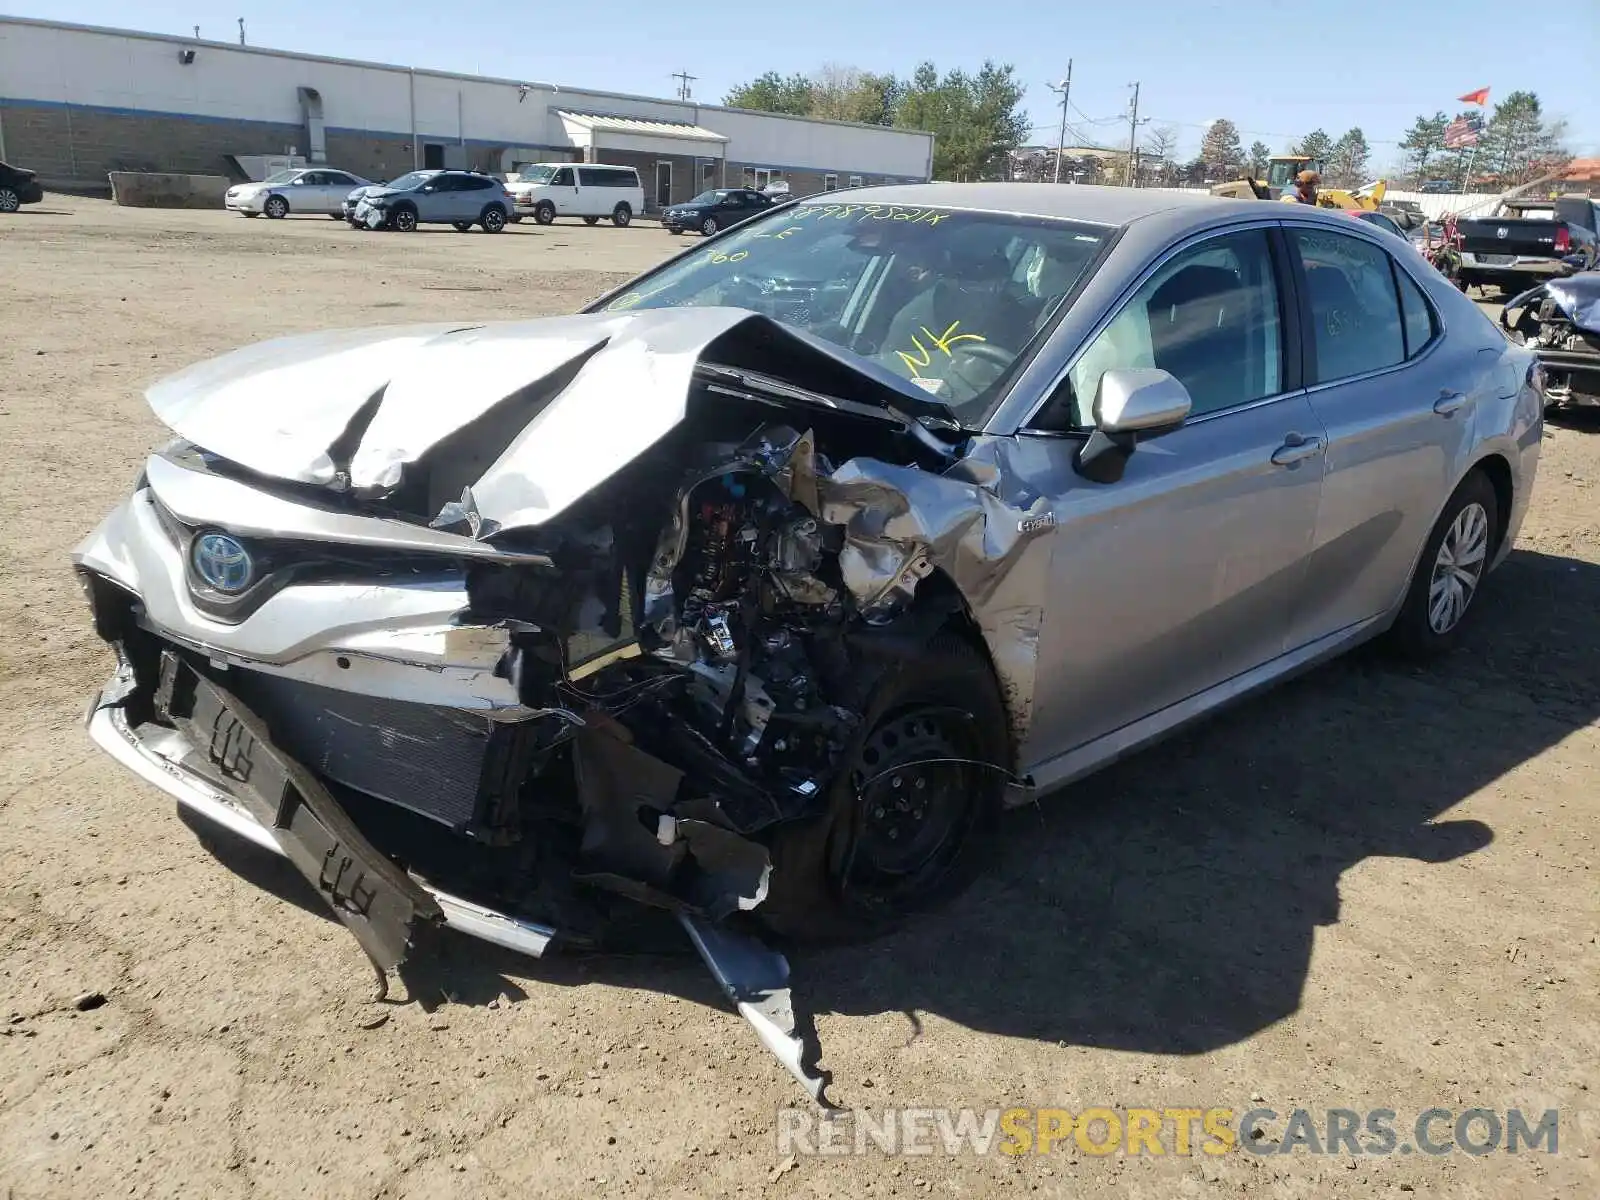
[
  {"x": 408, "y": 181},
  {"x": 946, "y": 299},
  {"x": 708, "y": 198},
  {"x": 535, "y": 174},
  {"x": 281, "y": 177}
]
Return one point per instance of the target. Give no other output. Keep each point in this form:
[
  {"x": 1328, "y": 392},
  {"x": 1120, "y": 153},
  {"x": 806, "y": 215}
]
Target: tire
[
  {"x": 10, "y": 200},
  {"x": 493, "y": 219},
  {"x": 1440, "y": 596},
  {"x": 461, "y": 226},
  {"x": 249, "y": 216},
  {"x": 338, "y": 216},
  {"x": 850, "y": 873},
  {"x": 708, "y": 227},
  {"x": 591, "y": 220},
  {"x": 544, "y": 212},
  {"x": 276, "y": 208},
  {"x": 403, "y": 219},
  {"x": 621, "y": 216},
  {"x": 515, "y": 218},
  {"x": 675, "y": 232}
]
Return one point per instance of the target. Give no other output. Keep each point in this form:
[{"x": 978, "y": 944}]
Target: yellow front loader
[{"x": 1279, "y": 184}]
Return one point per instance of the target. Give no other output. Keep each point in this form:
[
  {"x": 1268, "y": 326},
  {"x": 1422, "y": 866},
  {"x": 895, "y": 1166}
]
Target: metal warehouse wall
[{"x": 76, "y": 102}]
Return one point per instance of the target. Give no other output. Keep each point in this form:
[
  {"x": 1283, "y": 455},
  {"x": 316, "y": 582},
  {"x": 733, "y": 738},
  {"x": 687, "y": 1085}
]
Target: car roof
[{"x": 1080, "y": 202}]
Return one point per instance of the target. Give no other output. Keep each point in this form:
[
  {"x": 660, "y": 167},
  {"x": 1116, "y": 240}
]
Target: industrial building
[{"x": 78, "y": 102}]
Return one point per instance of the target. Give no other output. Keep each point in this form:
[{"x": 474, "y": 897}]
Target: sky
[{"x": 1276, "y": 68}]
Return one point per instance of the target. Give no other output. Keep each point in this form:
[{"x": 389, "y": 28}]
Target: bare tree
[{"x": 1160, "y": 144}]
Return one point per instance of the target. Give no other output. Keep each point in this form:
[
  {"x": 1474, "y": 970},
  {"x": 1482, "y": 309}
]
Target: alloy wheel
[{"x": 1458, "y": 568}]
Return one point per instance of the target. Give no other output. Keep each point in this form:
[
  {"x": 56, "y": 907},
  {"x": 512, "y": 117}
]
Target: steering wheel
[{"x": 997, "y": 356}]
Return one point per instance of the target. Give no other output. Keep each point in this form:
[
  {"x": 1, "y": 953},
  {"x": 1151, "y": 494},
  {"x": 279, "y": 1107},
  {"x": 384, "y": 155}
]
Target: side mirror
[{"x": 1130, "y": 402}]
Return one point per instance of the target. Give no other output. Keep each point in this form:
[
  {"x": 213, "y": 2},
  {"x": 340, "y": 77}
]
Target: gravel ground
[{"x": 1375, "y": 889}]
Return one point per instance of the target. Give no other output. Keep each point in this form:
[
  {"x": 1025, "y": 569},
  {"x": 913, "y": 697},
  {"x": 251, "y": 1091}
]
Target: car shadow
[
  {"x": 1169, "y": 903},
  {"x": 1579, "y": 420}
]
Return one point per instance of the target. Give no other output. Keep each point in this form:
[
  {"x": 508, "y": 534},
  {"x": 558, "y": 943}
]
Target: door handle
[
  {"x": 1296, "y": 449},
  {"x": 1448, "y": 402}
]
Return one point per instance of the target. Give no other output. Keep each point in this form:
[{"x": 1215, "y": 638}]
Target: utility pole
[
  {"x": 1133, "y": 134},
  {"x": 241, "y": 31},
  {"x": 684, "y": 80},
  {"x": 1065, "y": 88}
]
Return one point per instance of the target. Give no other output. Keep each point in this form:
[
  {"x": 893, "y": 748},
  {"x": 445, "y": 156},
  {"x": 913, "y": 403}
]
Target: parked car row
[{"x": 591, "y": 192}]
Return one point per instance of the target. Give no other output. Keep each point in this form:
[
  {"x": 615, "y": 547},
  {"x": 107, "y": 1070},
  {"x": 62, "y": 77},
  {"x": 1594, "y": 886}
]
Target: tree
[
  {"x": 1159, "y": 145},
  {"x": 842, "y": 93},
  {"x": 1348, "y": 160},
  {"x": 1258, "y": 159},
  {"x": 1220, "y": 149},
  {"x": 1518, "y": 144},
  {"x": 1316, "y": 144},
  {"x": 1424, "y": 139},
  {"x": 976, "y": 119},
  {"x": 773, "y": 93}
]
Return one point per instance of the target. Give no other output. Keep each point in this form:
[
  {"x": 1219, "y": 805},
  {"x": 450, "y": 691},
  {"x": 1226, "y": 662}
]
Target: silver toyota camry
[{"x": 756, "y": 590}]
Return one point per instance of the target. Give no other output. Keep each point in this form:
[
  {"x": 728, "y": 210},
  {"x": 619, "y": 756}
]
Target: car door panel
[
  {"x": 1186, "y": 571},
  {"x": 1179, "y": 576},
  {"x": 1395, "y": 435}
]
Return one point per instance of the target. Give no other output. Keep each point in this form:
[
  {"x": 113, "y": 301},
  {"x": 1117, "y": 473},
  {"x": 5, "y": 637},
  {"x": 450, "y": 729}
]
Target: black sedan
[
  {"x": 717, "y": 209},
  {"x": 18, "y": 187}
]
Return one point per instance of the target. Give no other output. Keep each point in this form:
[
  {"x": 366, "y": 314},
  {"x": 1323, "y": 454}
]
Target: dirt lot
[{"x": 1376, "y": 889}]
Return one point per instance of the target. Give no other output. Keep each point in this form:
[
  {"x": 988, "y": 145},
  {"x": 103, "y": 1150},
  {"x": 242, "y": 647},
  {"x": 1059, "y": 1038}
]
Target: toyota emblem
[{"x": 222, "y": 563}]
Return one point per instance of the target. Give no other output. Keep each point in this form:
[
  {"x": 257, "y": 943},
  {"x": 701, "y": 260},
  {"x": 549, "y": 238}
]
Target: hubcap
[
  {"x": 708, "y": 228},
  {"x": 1458, "y": 568},
  {"x": 9, "y": 201}
]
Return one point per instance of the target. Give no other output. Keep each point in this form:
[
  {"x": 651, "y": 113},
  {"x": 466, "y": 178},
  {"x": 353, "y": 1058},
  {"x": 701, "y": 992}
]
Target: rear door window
[
  {"x": 1416, "y": 314},
  {"x": 1356, "y": 326}
]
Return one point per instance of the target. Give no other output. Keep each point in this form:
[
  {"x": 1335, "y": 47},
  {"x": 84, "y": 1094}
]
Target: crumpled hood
[
  {"x": 355, "y": 408},
  {"x": 1579, "y": 297}
]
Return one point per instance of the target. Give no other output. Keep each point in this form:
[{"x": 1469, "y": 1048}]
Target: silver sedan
[
  {"x": 762, "y": 585},
  {"x": 315, "y": 191}
]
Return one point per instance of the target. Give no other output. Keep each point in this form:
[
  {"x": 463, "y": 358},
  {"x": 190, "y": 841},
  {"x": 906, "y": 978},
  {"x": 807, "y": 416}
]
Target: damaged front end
[
  {"x": 1560, "y": 322},
  {"x": 524, "y": 626}
]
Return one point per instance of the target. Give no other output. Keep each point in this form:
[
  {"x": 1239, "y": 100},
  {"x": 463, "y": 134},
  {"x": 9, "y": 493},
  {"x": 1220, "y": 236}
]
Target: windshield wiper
[{"x": 768, "y": 385}]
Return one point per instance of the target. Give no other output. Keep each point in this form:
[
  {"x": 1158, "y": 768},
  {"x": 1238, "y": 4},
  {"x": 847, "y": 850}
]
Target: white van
[{"x": 545, "y": 191}]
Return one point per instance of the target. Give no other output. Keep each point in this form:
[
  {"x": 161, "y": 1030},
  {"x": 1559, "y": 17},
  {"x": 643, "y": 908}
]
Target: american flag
[{"x": 1460, "y": 134}]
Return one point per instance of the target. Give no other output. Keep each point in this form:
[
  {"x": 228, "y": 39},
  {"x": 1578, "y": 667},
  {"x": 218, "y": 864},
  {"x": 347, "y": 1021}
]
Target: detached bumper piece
[
  {"x": 218, "y": 761},
  {"x": 381, "y": 905}
]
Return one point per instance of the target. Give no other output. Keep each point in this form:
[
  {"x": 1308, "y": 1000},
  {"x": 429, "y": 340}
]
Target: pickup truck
[{"x": 1529, "y": 241}]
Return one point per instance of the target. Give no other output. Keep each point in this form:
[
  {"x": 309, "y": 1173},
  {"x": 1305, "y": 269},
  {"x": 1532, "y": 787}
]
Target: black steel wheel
[{"x": 911, "y": 815}]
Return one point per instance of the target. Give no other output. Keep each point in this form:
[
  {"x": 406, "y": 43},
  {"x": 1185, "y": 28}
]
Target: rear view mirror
[{"x": 1130, "y": 402}]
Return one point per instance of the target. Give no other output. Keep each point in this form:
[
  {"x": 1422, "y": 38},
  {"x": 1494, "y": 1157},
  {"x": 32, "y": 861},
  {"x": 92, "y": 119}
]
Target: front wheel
[
  {"x": 544, "y": 212},
  {"x": 404, "y": 220},
  {"x": 276, "y": 208},
  {"x": 621, "y": 215},
  {"x": 493, "y": 219},
  {"x": 911, "y": 812},
  {"x": 708, "y": 226},
  {"x": 1453, "y": 563},
  {"x": 10, "y": 200}
]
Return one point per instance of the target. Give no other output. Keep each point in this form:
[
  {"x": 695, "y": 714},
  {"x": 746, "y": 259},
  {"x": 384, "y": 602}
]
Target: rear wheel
[
  {"x": 1453, "y": 563},
  {"x": 276, "y": 207},
  {"x": 910, "y": 815},
  {"x": 404, "y": 219},
  {"x": 621, "y": 215}
]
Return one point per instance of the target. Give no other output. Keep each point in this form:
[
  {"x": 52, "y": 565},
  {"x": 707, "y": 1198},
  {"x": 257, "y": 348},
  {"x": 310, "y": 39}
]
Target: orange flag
[{"x": 1479, "y": 97}]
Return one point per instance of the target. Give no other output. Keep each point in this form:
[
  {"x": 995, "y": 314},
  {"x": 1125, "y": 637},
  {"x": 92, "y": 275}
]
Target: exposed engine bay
[
  {"x": 751, "y": 655},
  {"x": 1560, "y": 322}
]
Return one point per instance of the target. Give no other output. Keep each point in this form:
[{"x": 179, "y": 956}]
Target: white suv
[{"x": 545, "y": 191}]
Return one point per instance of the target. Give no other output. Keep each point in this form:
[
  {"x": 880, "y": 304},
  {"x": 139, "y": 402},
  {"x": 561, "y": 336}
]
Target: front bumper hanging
[{"x": 218, "y": 761}]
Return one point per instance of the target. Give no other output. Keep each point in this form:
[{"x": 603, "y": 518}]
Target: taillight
[{"x": 1563, "y": 239}]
